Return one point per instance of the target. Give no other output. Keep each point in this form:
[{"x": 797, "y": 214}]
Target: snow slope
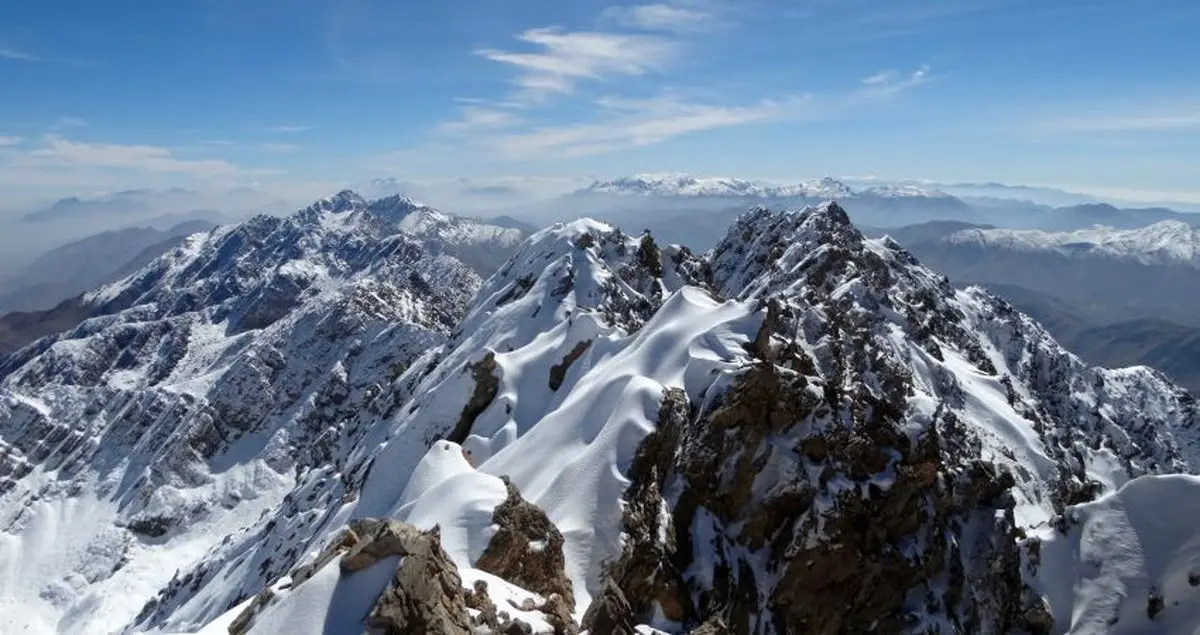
[
  {"x": 1122, "y": 552},
  {"x": 366, "y": 398},
  {"x": 1165, "y": 243},
  {"x": 184, "y": 409}
]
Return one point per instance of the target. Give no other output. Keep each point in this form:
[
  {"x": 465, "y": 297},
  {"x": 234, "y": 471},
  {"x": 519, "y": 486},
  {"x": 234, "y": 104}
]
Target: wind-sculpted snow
[
  {"x": 1128, "y": 562},
  {"x": 803, "y": 429}
]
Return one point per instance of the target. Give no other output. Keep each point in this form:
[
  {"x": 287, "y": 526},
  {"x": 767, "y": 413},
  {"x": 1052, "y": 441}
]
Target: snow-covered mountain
[
  {"x": 78, "y": 266},
  {"x": 803, "y": 430},
  {"x": 676, "y": 184},
  {"x": 1169, "y": 242}
]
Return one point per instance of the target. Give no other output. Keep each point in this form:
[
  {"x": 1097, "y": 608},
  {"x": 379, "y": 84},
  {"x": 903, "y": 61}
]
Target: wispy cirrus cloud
[
  {"x": 284, "y": 128},
  {"x": 8, "y": 141},
  {"x": 678, "y": 16},
  {"x": 12, "y": 54},
  {"x": 19, "y": 55},
  {"x": 613, "y": 123},
  {"x": 630, "y": 123},
  {"x": 637, "y": 40},
  {"x": 55, "y": 153},
  {"x": 473, "y": 118},
  {"x": 891, "y": 82},
  {"x": 563, "y": 58}
]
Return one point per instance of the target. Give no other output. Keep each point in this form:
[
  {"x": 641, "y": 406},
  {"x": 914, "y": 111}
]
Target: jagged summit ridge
[{"x": 802, "y": 429}]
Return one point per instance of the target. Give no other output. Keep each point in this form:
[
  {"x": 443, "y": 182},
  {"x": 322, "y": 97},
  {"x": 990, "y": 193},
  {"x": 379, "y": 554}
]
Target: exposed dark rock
[
  {"x": 610, "y": 612},
  {"x": 154, "y": 526},
  {"x": 1154, "y": 604},
  {"x": 558, "y": 372},
  {"x": 527, "y": 549},
  {"x": 425, "y": 594},
  {"x": 241, "y": 624},
  {"x": 643, "y": 576},
  {"x": 712, "y": 626},
  {"x": 648, "y": 255},
  {"x": 486, "y": 385},
  {"x": 478, "y": 599},
  {"x": 557, "y": 611}
]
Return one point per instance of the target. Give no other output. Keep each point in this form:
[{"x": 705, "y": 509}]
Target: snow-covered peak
[
  {"x": 711, "y": 439},
  {"x": 904, "y": 190},
  {"x": 1169, "y": 242},
  {"x": 684, "y": 185}
]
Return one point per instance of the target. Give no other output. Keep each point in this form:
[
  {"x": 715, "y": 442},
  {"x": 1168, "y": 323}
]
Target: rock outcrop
[
  {"x": 425, "y": 594},
  {"x": 527, "y": 549}
]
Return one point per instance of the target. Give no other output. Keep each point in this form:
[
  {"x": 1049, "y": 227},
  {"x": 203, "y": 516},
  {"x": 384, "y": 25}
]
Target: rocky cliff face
[{"x": 802, "y": 431}]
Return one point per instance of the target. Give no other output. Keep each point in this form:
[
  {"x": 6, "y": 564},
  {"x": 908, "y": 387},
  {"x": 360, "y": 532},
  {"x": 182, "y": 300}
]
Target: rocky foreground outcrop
[{"x": 426, "y": 594}]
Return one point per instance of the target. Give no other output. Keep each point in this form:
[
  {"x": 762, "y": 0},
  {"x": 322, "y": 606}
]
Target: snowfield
[
  {"x": 229, "y": 409},
  {"x": 1133, "y": 553}
]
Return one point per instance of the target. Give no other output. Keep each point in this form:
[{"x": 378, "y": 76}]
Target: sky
[{"x": 1091, "y": 95}]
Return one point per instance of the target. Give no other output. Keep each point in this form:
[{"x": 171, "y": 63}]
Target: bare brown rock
[
  {"x": 425, "y": 594},
  {"x": 245, "y": 619},
  {"x": 610, "y": 612},
  {"x": 486, "y": 386},
  {"x": 478, "y": 599},
  {"x": 712, "y": 626},
  {"x": 527, "y": 549},
  {"x": 558, "y": 372},
  {"x": 558, "y": 615}
]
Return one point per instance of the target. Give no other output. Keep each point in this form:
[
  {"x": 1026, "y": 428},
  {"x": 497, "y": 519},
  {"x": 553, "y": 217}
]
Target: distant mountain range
[
  {"x": 83, "y": 264},
  {"x": 69, "y": 270},
  {"x": 330, "y": 423},
  {"x": 1116, "y": 297},
  {"x": 695, "y": 210}
]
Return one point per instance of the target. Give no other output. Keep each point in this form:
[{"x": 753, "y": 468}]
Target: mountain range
[
  {"x": 696, "y": 210},
  {"x": 1114, "y": 296},
  {"x": 331, "y": 421},
  {"x": 81, "y": 265}
]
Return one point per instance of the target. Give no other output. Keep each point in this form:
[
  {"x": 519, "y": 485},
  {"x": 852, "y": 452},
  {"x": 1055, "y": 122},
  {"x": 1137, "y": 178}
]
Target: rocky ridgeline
[{"x": 886, "y": 453}]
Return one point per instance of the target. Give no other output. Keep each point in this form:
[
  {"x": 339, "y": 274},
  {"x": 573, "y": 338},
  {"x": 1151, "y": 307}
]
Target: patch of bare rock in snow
[{"x": 331, "y": 424}]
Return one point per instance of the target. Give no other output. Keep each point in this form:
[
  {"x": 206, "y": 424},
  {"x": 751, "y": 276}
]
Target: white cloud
[
  {"x": 663, "y": 16},
  {"x": 882, "y": 77},
  {"x": 566, "y": 58},
  {"x": 60, "y": 152},
  {"x": 287, "y": 129},
  {"x": 19, "y": 56},
  {"x": 629, "y": 123},
  {"x": 7, "y": 142},
  {"x": 890, "y": 82},
  {"x": 474, "y": 118}
]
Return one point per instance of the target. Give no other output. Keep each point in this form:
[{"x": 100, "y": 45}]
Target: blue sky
[{"x": 1096, "y": 95}]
